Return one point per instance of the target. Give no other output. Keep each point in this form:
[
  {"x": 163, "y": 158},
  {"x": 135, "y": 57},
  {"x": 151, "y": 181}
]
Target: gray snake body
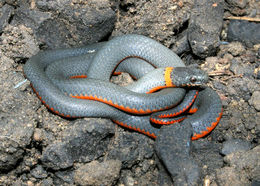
[{"x": 49, "y": 71}]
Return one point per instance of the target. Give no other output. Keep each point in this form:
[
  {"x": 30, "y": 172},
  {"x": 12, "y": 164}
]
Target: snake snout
[
  {"x": 200, "y": 78},
  {"x": 187, "y": 76}
]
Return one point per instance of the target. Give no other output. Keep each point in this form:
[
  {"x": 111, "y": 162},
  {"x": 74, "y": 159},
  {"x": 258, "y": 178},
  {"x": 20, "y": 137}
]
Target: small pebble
[
  {"x": 255, "y": 100},
  {"x": 235, "y": 145},
  {"x": 95, "y": 173},
  {"x": 39, "y": 172}
]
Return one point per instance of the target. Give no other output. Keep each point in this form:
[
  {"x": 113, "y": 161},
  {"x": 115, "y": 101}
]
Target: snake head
[{"x": 188, "y": 76}]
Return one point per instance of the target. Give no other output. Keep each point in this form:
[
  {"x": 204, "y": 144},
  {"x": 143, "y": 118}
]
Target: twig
[
  {"x": 254, "y": 19},
  {"x": 233, "y": 76},
  {"x": 223, "y": 82},
  {"x": 219, "y": 73}
]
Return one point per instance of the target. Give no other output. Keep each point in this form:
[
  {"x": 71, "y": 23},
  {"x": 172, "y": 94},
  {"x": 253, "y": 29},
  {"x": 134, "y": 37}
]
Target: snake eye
[{"x": 193, "y": 79}]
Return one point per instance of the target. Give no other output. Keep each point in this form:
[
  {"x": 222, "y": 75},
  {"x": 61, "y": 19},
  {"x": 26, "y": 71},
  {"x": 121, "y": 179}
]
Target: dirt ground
[{"x": 38, "y": 147}]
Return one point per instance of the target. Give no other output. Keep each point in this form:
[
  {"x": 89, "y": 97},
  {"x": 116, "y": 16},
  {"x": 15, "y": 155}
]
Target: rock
[
  {"x": 58, "y": 156},
  {"x": 235, "y": 7},
  {"x": 14, "y": 2},
  {"x": 252, "y": 86},
  {"x": 32, "y": 18},
  {"x": 205, "y": 26},
  {"x": 255, "y": 100},
  {"x": 143, "y": 173},
  {"x": 210, "y": 64},
  {"x": 38, "y": 172},
  {"x": 230, "y": 176},
  {"x": 246, "y": 163},
  {"x": 75, "y": 22},
  {"x": 64, "y": 177},
  {"x": 5, "y": 14},
  {"x": 95, "y": 173},
  {"x": 129, "y": 181},
  {"x": 251, "y": 121},
  {"x": 82, "y": 142},
  {"x": 30, "y": 161},
  {"x": 243, "y": 120},
  {"x": 181, "y": 45},
  {"x": 235, "y": 145},
  {"x": 160, "y": 20},
  {"x": 173, "y": 149},
  {"x": 250, "y": 56},
  {"x": 10, "y": 153},
  {"x": 248, "y": 32},
  {"x": 131, "y": 149},
  {"x": 60, "y": 24},
  {"x": 18, "y": 42},
  {"x": 220, "y": 86},
  {"x": 238, "y": 68},
  {"x": 238, "y": 3},
  {"x": 43, "y": 137},
  {"x": 238, "y": 89},
  {"x": 46, "y": 182},
  {"x": 234, "y": 48}
]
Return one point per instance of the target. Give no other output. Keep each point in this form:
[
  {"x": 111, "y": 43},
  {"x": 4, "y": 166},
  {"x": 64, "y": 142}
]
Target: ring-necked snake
[{"x": 58, "y": 78}]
